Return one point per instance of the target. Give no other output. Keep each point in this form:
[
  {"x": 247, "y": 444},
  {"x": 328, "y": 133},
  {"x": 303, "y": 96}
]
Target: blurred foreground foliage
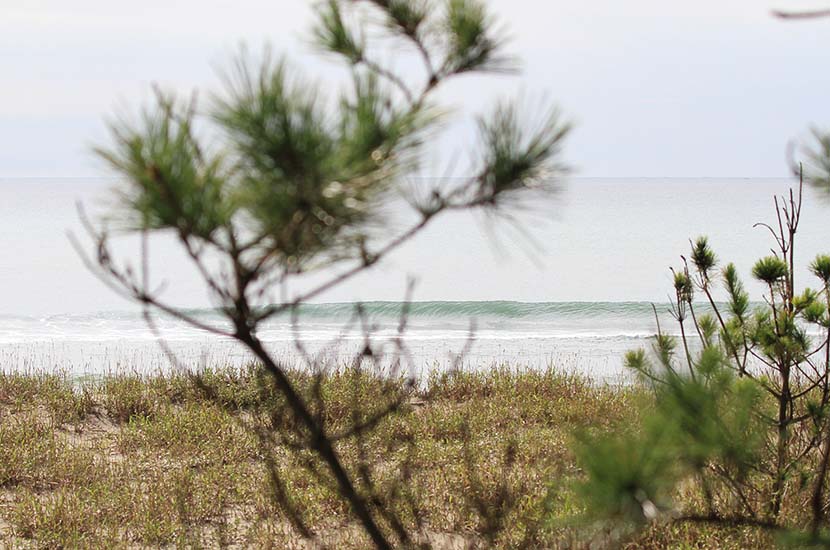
[{"x": 282, "y": 176}]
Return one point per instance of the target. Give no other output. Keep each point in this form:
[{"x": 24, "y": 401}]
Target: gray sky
[
  {"x": 705, "y": 88},
  {"x": 656, "y": 88}
]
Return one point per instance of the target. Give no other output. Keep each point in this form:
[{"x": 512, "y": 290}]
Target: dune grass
[{"x": 130, "y": 461}]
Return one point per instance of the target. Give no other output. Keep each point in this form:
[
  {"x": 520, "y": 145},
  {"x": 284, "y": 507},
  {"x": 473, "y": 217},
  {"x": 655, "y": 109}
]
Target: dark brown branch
[
  {"x": 318, "y": 440},
  {"x": 801, "y": 14}
]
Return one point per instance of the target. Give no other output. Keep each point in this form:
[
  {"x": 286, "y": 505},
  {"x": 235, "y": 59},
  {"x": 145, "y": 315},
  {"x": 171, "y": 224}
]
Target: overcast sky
[{"x": 705, "y": 88}]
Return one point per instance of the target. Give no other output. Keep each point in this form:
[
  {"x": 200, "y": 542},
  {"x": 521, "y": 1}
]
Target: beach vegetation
[{"x": 487, "y": 454}]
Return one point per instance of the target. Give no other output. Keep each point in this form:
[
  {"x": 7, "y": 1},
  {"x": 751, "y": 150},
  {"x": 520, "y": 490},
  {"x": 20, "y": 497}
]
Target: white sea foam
[{"x": 589, "y": 337}]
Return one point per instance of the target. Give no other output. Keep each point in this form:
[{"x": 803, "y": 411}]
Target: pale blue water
[{"x": 576, "y": 293}]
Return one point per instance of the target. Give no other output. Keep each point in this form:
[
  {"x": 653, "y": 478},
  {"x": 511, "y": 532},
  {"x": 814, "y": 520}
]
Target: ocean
[
  {"x": 588, "y": 337},
  {"x": 573, "y": 288}
]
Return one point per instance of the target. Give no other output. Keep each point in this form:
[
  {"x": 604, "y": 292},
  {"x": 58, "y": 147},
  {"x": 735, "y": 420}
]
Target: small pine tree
[
  {"x": 300, "y": 175},
  {"x": 742, "y": 415}
]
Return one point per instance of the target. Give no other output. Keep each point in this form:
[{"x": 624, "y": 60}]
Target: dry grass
[{"x": 131, "y": 462}]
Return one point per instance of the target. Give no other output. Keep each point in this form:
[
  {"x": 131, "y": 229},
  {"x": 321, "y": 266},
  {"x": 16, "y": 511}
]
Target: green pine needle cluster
[
  {"x": 816, "y": 167},
  {"x": 300, "y": 172}
]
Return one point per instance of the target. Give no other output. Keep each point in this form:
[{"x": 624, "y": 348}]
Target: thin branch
[
  {"x": 391, "y": 77},
  {"x": 276, "y": 309},
  {"x": 801, "y": 14},
  {"x": 723, "y": 521}
]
